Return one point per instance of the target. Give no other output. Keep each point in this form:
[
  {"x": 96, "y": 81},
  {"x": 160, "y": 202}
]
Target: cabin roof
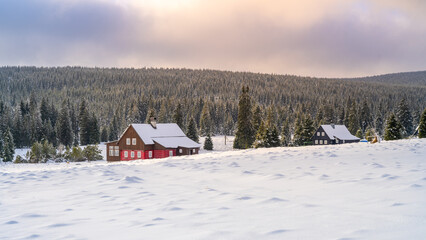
[
  {"x": 175, "y": 142},
  {"x": 338, "y": 131},
  {"x": 166, "y": 134}
]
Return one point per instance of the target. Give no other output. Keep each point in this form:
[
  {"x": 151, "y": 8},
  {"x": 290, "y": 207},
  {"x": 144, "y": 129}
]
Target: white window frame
[
  {"x": 127, "y": 141},
  {"x": 320, "y": 142},
  {"x": 117, "y": 153},
  {"x": 171, "y": 153},
  {"x": 132, "y": 154},
  {"x": 316, "y": 142},
  {"x": 193, "y": 150},
  {"x": 111, "y": 152},
  {"x": 180, "y": 150},
  {"x": 323, "y": 134},
  {"x": 133, "y": 141},
  {"x": 325, "y": 142},
  {"x": 318, "y": 134},
  {"x": 126, "y": 154},
  {"x": 149, "y": 154}
]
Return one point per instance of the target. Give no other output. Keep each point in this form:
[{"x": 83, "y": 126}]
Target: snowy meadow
[{"x": 351, "y": 191}]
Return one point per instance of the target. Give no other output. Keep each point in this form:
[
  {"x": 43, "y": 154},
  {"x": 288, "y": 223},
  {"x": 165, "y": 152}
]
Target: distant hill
[
  {"x": 131, "y": 93},
  {"x": 404, "y": 78}
]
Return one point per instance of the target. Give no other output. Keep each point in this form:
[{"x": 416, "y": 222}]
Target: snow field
[{"x": 351, "y": 191}]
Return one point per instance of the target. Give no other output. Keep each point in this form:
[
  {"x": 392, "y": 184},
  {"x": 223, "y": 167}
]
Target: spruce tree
[
  {"x": 8, "y": 146},
  {"x": 113, "y": 129},
  {"x": 205, "y": 121},
  {"x": 178, "y": 116},
  {"x": 353, "y": 123},
  {"x": 365, "y": 116},
  {"x": 257, "y": 118},
  {"x": 94, "y": 132},
  {"x": 393, "y": 128},
  {"x": 208, "y": 143},
  {"x": 192, "y": 130},
  {"x": 379, "y": 124},
  {"x": 261, "y": 135},
  {"x": 403, "y": 115},
  {"x": 422, "y": 125},
  {"x": 44, "y": 110},
  {"x": 273, "y": 137},
  {"x": 84, "y": 121},
  {"x": 298, "y": 130},
  {"x": 104, "y": 135},
  {"x": 308, "y": 130},
  {"x": 64, "y": 127},
  {"x": 285, "y": 134},
  {"x": 245, "y": 134}
]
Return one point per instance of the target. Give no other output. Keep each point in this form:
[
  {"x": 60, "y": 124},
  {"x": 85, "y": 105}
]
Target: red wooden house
[{"x": 145, "y": 141}]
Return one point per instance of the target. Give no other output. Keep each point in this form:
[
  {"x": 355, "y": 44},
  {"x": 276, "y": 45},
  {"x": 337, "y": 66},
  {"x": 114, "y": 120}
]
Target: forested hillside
[
  {"x": 407, "y": 78},
  {"x": 116, "y": 97}
]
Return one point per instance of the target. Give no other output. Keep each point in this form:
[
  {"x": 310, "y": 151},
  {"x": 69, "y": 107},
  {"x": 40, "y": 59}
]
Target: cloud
[{"x": 323, "y": 38}]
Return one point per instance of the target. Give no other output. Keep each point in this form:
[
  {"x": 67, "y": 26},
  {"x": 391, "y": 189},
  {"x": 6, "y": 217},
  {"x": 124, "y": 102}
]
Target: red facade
[{"x": 126, "y": 155}]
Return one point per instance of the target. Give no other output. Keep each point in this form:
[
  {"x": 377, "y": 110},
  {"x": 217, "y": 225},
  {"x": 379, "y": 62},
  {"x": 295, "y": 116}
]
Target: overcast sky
[{"x": 327, "y": 38}]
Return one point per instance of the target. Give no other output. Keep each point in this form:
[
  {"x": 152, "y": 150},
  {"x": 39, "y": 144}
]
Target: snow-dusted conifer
[
  {"x": 393, "y": 128},
  {"x": 422, "y": 125},
  {"x": 245, "y": 134},
  {"x": 208, "y": 143},
  {"x": 403, "y": 115}
]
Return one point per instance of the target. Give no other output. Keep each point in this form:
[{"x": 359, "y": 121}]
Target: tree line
[{"x": 78, "y": 106}]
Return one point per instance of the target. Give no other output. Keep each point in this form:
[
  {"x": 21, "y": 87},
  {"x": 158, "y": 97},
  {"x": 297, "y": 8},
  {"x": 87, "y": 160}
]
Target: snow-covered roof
[
  {"x": 339, "y": 131},
  {"x": 168, "y": 133},
  {"x": 175, "y": 142}
]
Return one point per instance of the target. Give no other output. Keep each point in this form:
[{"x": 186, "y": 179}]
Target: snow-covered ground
[{"x": 352, "y": 191}]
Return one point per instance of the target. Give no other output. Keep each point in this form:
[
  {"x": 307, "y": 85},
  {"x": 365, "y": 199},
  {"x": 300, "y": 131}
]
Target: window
[
  {"x": 132, "y": 154},
  {"x": 316, "y": 141},
  {"x": 180, "y": 150},
  {"x": 139, "y": 154},
  {"x": 320, "y": 141},
  {"x": 133, "y": 141},
  {"x": 318, "y": 134},
  {"x": 337, "y": 141},
  {"x": 193, "y": 150},
  {"x": 117, "y": 151},
  {"x": 150, "y": 154},
  {"x": 325, "y": 142},
  {"x": 111, "y": 152},
  {"x": 323, "y": 134},
  {"x": 126, "y": 154},
  {"x": 127, "y": 141},
  {"x": 170, "y": 153}
]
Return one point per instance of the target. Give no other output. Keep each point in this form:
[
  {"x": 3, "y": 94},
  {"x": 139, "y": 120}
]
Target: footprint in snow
[
  {"x": 234, "y": 164},
  {"x": 397, "y": 204},
  {"x": 133, "y": 179},
  {"x": 279, "y": 231},
  {"x": 244, "y": 198},
  {"x": 56, "y": 225},
  {"x": 33, "y": 215},
  {"x": 416, "y": 186},
  {"x": 275, "y": 200},
  {"x": 158, "y": 219},
  {"x": 11, "y": 222},
  {"x": 33, "y": 236}
]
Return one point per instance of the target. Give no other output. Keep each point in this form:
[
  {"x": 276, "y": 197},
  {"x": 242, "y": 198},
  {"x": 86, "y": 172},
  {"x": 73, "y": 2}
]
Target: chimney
[
  {"x": 153, "y": 122},
  {"x": 332, "y": 125}
]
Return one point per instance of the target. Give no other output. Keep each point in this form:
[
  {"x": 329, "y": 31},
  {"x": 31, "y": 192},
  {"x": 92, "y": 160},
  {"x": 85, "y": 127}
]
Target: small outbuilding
[
  {"x": 146, "y": 141},
  {"x": 333, "y": 134}
]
